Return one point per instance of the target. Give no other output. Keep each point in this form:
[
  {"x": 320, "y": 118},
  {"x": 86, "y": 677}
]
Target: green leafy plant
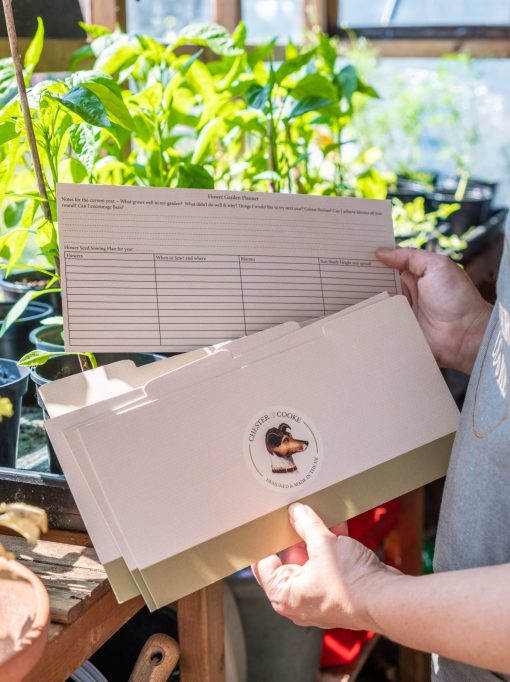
[
  {"x": 202, "y": 112},
  {"x": 437, "y": 108},
  {"x": 239, "y": 120},
  {"x": 36, "y": 358},
  {"x": 416, "y": 227}
]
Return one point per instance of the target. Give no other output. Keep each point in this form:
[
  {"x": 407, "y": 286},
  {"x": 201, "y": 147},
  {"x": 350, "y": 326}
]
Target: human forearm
[{"x": 464, "y": 615}]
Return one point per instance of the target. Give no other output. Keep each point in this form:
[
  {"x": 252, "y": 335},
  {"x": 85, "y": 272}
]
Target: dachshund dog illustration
[{"x": 281, "y": 446}]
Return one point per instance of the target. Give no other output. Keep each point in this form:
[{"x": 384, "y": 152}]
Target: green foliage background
[{"x": 203, "y": 112}]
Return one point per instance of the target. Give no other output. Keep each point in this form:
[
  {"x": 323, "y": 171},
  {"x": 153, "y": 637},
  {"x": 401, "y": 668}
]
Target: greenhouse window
[
  {"x": 161, "y": 19},
  {"x": 426, "y": 18}
]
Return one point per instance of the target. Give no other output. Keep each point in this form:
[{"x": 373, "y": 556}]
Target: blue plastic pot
[{"x": 48, "y": 337}]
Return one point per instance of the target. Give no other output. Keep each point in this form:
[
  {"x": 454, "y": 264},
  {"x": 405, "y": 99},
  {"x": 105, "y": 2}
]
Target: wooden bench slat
[
  {"x": 51, "y": 571},
  {"x": 73, "y": 575},
  {"x": 56, "y": 552}
]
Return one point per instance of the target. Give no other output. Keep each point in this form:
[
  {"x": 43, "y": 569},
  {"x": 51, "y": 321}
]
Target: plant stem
[
  {"x": 272, "y": 143},
  {"x": 462, "y": 186},
  {"x": 25, "y": 107},
  {"x": 339, "y": 163}
]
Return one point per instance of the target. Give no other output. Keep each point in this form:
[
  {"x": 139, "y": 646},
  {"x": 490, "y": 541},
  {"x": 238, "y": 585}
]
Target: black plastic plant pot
[
  {"x": 15, "y": 342},
  {"x": 474, "y": 209},
  {"x": 449, "y": 184},
  {"x": 17, "y": 284},
  {"x": 408, "y": 190},
  {"x": 66, "y": 365},
  {"x": 13, "y": 386}
]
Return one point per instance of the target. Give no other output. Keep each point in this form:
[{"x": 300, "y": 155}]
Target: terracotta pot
[{"x": 24, "y": 620}]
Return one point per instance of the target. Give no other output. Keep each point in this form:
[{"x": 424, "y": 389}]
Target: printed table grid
[{"x": 177, "y": 302}]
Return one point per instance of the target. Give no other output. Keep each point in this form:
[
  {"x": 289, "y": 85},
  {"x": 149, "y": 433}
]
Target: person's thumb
[{"x": 310, "y": 528}]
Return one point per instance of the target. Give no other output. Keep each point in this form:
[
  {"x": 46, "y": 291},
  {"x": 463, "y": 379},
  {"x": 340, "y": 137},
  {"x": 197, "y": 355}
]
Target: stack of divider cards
[{"x": 183, "y": 470}]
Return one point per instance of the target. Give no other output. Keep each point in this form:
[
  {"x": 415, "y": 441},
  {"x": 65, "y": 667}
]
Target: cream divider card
[
  {"x": 344, "y": 386},
  {"x": 339, "y": 385},
  {"x": 86, "y": 389},
  {"x": 157, "y": 269}
]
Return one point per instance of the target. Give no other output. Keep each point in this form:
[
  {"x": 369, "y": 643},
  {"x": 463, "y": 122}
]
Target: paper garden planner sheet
[{"x": 156, "y": 269}]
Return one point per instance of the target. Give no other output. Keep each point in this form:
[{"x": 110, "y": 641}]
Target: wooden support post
[
  {"x": 108, "y": 13},
  {"x": 333, "y": 9},
  {"x": 315, "y": 14},
  {"x": 227, "y": 13},
  {"x": 411, "y": 531},
  {"x": 414, "y": 665},
  {"x": 20, "y": 79},
  {"x": 201, "y": 635}
]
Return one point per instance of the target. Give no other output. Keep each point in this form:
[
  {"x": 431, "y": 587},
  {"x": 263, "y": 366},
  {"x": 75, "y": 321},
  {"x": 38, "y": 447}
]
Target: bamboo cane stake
[{"x": 25, "y": 107}]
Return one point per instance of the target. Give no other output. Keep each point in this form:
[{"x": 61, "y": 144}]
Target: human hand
[
  {"x": 333, "y": 587},
  {"x": 298, "y": 554},
  {"x": 451, "y": 313}
]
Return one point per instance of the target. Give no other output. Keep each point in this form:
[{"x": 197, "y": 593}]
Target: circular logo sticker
[{"x": 282, "y": 449}]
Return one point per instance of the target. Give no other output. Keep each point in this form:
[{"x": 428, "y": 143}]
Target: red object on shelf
[{"x": 342, "y": 646}]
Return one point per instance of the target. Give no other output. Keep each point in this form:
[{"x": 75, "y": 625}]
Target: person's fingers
[
  {"x": 265, "y": 569},
  {"x": 340, "y": 529},
  {"x": 406, "y": 292},
  {"x": 296, "y": 554},
  {"x": 410, "y": 286},
  {"x": 311, "y": 528},
  {"x": 415, "y": 260}
]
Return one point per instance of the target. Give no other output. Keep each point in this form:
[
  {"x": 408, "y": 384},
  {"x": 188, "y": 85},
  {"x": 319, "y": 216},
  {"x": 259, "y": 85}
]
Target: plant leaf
[
  {"x": 34, "y": 50},
  {"x": 290, "y": 66},
  {"x": 47, "y": 240},
  {"x": 94, "y": 30},
  {"x": 17, "y": 310},
  {"x": 116, "y": 57},
  {"x": 257, "y": 96},
  {"x": 269, "y": 175},
  {"x": 192, "y": 175},
  {"x": 15, "y": 241},
  {"x": 57, "y": 319},
  {"x": 206, "y": 135},
  {"x": 108, "y": 93},
  {"x": 83, "y": 142},
  {"x": 303, "y": 106},
  {"x": 367, "y": 90},
  {"x": 213, "y": 36},
  {"x": 261, "y": 53},
  {"x": 72, "y": 170},
  {"x": 81, "y": 54},
  {"x": 87, "y": 105},
  {"x": 8, "y": 132},
  {"x": 13, "y": 213},
  {"x": 36, "y": 358},
  {"x": 314, "y": 84},
  {"x": 371, "y": 185},
  {"x": 348, "y": 82}
]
